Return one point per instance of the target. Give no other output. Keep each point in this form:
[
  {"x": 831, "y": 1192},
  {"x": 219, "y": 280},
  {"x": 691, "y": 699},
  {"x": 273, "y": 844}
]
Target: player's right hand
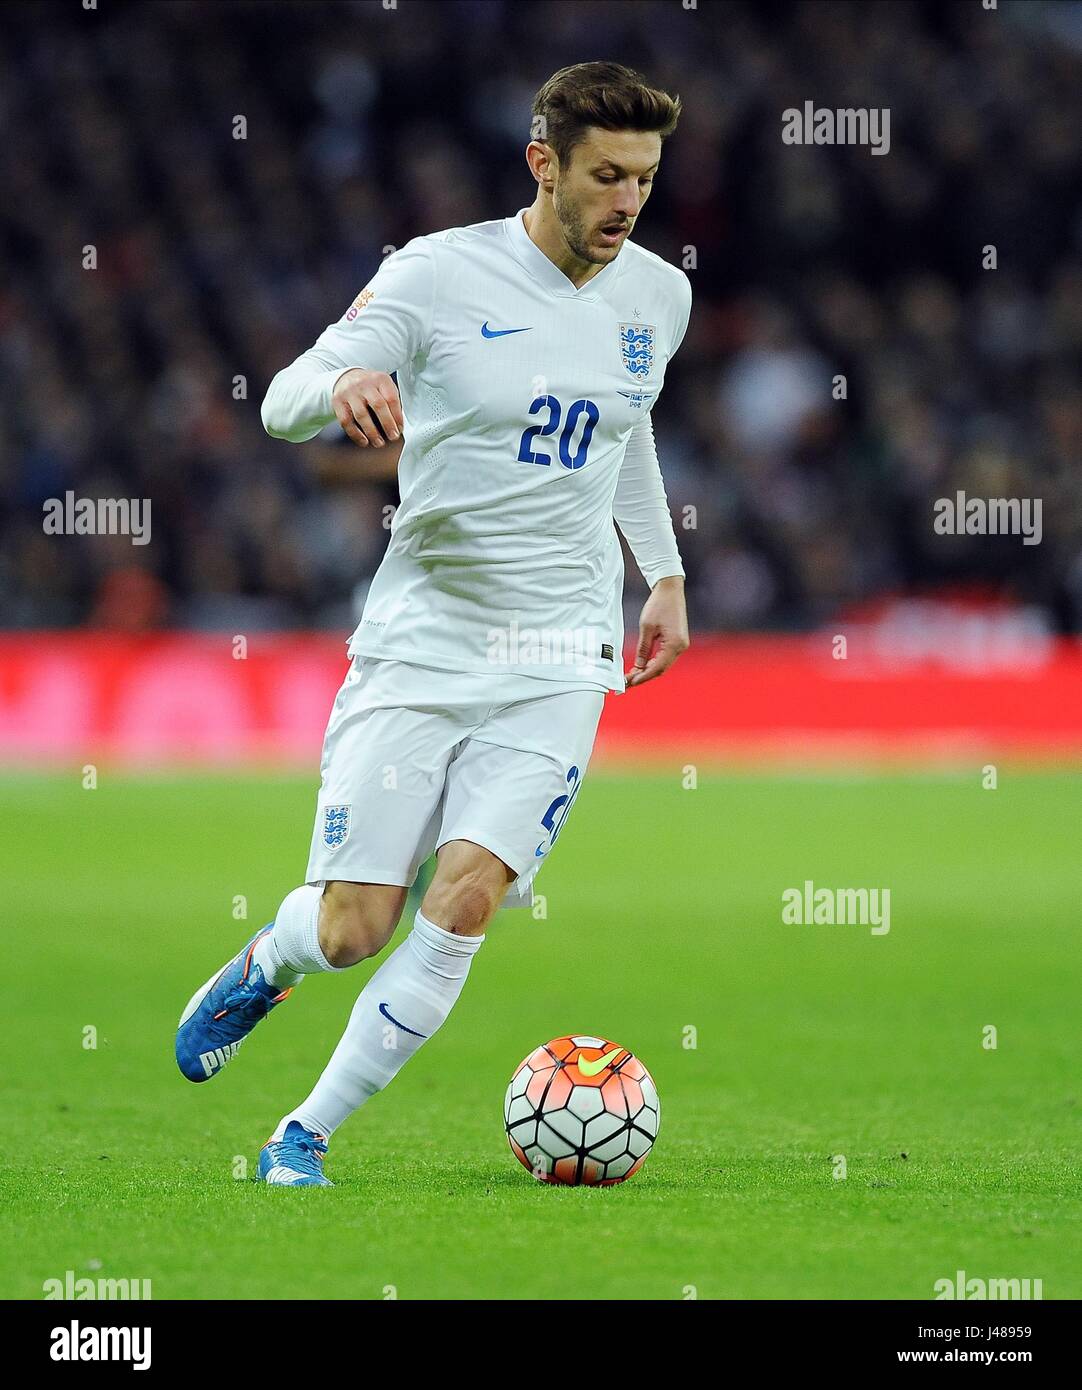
[{"x": 361, "y": 398}]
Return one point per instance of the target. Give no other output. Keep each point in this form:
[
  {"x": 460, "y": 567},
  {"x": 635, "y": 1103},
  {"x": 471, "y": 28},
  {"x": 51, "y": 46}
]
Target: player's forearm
[
  {"x": 641, "y": 509},
  {"x": 386, "y": 327},
  {"x": 298, "y": 401}
]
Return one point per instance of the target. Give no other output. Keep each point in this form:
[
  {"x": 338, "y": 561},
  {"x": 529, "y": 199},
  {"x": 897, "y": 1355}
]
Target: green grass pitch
[{"x": 664, "y": 915}]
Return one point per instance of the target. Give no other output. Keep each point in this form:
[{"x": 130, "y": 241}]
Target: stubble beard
[{"x": 574, "y": 230}]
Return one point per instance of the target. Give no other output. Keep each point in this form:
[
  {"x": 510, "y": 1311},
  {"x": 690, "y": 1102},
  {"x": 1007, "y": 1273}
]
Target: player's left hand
[{"x": 663, "y": 632}]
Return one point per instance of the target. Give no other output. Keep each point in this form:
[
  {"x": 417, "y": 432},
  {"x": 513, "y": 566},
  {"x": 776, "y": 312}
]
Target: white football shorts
[{"x": 414, "y": 757}]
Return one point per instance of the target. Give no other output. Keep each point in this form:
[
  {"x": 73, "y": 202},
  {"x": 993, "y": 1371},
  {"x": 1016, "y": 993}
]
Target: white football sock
[
  {"x": 292, "y": 949},
  {"x": 403, "y": 1003}
]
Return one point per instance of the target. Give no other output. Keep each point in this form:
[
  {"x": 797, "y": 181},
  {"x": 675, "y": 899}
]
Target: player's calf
[{"x": 407, "y": 1000}]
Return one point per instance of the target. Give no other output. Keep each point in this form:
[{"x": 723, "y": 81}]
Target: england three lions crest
[
  {"x": 335, "y": 825},
  {"x": 637, "y": 347}
]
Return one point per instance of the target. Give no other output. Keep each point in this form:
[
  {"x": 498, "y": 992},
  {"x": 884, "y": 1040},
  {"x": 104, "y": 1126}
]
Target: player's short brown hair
[{"x": 599, "y": 94}]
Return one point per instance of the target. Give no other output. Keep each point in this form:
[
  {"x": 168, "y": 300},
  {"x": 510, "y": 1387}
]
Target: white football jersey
[{"x": 520, "y": 394}]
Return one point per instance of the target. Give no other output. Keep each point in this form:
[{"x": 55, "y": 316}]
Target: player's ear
[{"x": 541, "y": 158}]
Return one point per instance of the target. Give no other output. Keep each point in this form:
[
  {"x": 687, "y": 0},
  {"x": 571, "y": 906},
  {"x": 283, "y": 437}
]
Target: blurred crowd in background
[{"x": 220, "y": 259}]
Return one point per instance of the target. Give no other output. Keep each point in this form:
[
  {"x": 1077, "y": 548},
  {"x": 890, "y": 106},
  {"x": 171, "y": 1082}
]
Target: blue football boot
[
  {"x": 222, "y": 1014},
  {"x": 295, "y": 1160}
]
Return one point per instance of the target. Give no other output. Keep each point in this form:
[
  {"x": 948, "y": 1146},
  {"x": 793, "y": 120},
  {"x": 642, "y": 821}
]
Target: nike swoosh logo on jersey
[
  {"x": 383, "y": 1010},
  {"x": 487, "y": 332},
  {"x": 592, "y": 1068}
]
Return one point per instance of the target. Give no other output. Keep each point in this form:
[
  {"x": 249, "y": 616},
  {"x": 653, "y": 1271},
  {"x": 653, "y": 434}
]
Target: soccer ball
[{"x": 582, "y": 1111}]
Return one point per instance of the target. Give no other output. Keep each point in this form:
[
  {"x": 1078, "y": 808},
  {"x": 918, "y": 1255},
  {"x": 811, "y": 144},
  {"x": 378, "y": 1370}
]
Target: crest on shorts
[
  {"x": 335, "y": 825},
  {"x": 637, "y": 347}
]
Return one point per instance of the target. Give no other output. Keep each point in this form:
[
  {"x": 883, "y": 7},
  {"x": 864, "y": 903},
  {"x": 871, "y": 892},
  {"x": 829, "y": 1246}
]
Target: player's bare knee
[
  {"x": 464, "y": 905},
  {"x": 475, "y": 898},
  {"x": 356, "y": 920},
  {"x": 465, "y": 895},
  {"x": 347, "y": 935}
]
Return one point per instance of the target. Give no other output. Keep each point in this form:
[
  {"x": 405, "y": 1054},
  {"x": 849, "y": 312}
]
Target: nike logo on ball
[
  {"x": 592, "y": 1068},
  {"x": 487, "y": 332}
]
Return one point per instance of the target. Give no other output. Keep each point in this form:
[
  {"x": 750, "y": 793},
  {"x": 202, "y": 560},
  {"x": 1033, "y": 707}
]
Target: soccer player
[{"x": 530, "y": 351}]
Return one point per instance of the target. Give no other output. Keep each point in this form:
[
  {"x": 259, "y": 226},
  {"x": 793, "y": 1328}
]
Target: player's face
[{"x": 603, "y": 189}]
